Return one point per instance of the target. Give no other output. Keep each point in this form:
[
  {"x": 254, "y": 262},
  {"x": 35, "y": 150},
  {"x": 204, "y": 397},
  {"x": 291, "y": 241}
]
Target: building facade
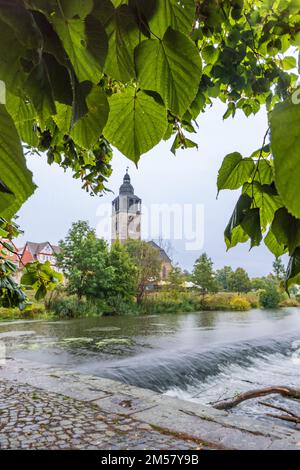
[{"x": 41, "y": 252}]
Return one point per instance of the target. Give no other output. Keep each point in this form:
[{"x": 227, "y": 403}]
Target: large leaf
[
  {"x": 235, "y": 171},
  {"x": 10, "y": 71},
  {"x": 286, "y": 229},
  {"x": 272, "y": 244},
  {"x": 251, "y": 226},
  {"x": 171, "y": 67},
  {"x": 266, "y": 199},
  {"x": 293, "y": 269},
  {"x": 24, "y": 116},
  {"x": 87, "y": 131},
  {"x": 136, "y": 123},
  {"x": 242, "y": 207},
  {"x": 264, "y": 172},
  {"x": 123, "y": 36},
  {"x": 285, "y": 143},
  {"x": 177, "y": 14},
  {"x": 72, "y": 33},
  {"x": 14, "y": 174}
]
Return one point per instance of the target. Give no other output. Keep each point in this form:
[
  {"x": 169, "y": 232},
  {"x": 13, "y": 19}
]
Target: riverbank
[
  {"x": 47, "y": 408},
  {"x": 162, "y": 302}
]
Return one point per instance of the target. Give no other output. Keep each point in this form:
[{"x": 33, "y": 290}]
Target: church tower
[{"x": 126, "y": 213}]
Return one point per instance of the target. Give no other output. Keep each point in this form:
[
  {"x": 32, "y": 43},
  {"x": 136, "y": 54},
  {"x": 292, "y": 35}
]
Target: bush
[
  {"x": 253, "y": 299},
  {"x": 176, "y": 302},
  {"x": 290, "y": 302},
  {"x": 33, "y": 311},
  {"x": 71, "y": 307},
  {"x": 270, "y": 297},
  {"x": 240, "y": 303}
]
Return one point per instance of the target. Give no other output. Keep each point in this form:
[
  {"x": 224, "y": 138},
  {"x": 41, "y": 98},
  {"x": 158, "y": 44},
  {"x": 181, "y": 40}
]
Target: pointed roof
[
  {"x": 126, "y": 187},
  {"x": 163, "y": 254}
]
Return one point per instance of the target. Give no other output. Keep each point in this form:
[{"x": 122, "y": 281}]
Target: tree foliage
[
  {"x": 222, "y": 277},
  {"x": 203, "y": 274},
  {"x": 147, "y": 262},
  {"x": 239, "y": 281},
  {"x": 94, "y": 271},
  {"x": 83, "y": 75}
]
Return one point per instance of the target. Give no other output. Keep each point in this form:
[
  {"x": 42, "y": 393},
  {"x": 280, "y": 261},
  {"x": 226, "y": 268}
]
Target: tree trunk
[{"x": 260, "y": 392}]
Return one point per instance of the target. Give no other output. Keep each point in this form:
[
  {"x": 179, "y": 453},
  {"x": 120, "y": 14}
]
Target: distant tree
[
  {"x": 84, "y": 260},
  {"x": 270, "y": 296},
  {"x": 258, "y": 283},
  {"x": 147, "y": 261},
  {"x": 176, "y": 278},
  {"x": 124, "y": 282},
  {"x": 279, "y": 269},
  {"x": 222, "y": 277},
  {"x": 239, "y": 281},
  {"x": 203, "y": 274}
]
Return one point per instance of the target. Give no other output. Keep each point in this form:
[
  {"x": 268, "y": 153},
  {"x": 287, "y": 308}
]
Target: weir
[{"x": 189, "y": 422}]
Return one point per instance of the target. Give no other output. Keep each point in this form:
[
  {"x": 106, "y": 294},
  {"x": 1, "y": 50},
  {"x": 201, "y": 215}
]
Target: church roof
[
  {"x": 126, "y": 187},
  {"x": 162, "y": 252}
]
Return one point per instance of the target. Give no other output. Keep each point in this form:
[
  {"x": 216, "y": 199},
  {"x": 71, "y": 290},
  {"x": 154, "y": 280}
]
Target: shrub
[
  {"x": 240, "y": 303},
  {"x": 290, "y": 302},
  {"x": 71, "y": 307},
  {"x": 270, "y": 296},
  {"x": 253, "y": 299}
]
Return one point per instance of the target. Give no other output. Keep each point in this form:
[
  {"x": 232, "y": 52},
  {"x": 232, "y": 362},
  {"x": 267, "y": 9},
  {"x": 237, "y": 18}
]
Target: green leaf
[
  {"x": 251, "y": 225},
  {"x": 265, "y": 172},
  {"x": 265, "y": 197},
  {"x": 238, "y": 235},
  {"x": 238, "y": 215},
  {"x": 235, "y": 171},
  {"x": 286, "y": 229},
  {"x": 178, "y": 15},
  {"x": 72, "y": 33},
  {"x": 136, "y": 122},
  {"x": 272, "y": 244},
  {"x": 13, "y": 170},
  {"x": 293, "y": 269},
  {"x": 24, "y": 116},
  {"x": 167, "y": 67},
  {"x": 87, "y": 131},
  {"x": 289, "y": 63},
  {"x": 285, "y": 141},
  {"x": 210, "y": 54},
  {"x": 123, "y": 36},
  {"x": 39, "y": 89}
]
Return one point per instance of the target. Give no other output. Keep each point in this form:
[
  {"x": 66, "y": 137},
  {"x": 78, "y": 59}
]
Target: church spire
[{"x": 126, "y": 187}]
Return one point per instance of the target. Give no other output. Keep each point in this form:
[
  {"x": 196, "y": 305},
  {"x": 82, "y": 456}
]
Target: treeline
[{"x": 121, "y": 279}]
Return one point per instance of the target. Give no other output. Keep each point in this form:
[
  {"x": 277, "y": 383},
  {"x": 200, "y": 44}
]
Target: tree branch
[{"x": 261, "y": 392}]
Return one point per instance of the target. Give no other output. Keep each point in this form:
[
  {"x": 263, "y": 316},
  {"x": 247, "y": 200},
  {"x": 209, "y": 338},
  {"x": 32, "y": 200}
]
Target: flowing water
[{"x": 200, "y": 357}]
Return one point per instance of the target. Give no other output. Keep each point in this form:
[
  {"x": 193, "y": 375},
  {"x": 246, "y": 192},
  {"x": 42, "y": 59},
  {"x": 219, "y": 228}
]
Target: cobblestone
[{"x": 35, "y": 419}]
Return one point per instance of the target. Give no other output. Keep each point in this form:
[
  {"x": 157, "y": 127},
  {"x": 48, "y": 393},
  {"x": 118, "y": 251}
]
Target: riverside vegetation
[{"x": 125, "y": 279}]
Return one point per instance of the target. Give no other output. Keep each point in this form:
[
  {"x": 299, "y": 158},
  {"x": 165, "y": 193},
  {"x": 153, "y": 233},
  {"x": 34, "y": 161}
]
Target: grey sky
[{"x": 188, "y": 178}]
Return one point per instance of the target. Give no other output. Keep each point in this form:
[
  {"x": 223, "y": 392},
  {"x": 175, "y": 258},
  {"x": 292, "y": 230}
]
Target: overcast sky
[{"x": 189, "y": 178}]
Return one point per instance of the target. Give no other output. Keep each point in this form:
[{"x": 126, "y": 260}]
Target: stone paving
[
  {"x": 31, "y": 418},
  {"x": 42, "y": 407}
]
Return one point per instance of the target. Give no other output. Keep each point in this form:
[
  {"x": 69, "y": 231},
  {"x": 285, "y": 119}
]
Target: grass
[{"x": 181, "y": 302}]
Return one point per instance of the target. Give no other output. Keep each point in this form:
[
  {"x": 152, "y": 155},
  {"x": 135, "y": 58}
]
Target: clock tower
[{"x": 126, "y": 213}]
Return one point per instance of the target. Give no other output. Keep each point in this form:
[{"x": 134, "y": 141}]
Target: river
[{"x": 200, "y": 357}]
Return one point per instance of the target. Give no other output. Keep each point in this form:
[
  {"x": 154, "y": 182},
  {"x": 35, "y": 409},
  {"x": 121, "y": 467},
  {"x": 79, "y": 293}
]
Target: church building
[{"x": 127, "y": 218}]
